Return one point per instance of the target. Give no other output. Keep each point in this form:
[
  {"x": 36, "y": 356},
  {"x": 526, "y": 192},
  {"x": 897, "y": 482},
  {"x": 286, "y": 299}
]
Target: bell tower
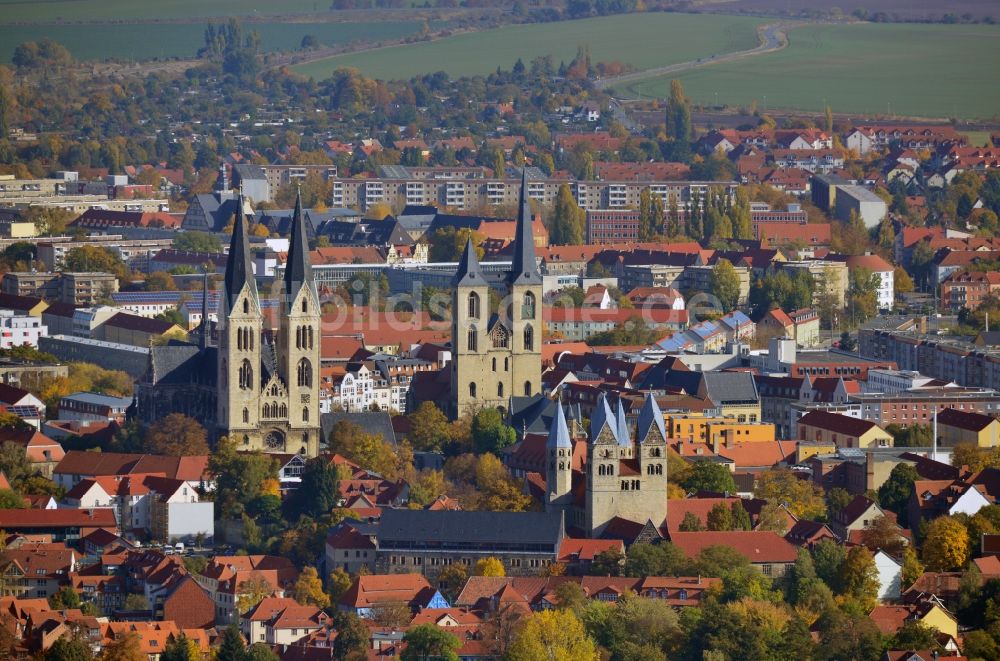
[
  {"x": 470, "y": 316},
  {"x": 299, "y": 342},
  {"x": 239, "y": 343}
]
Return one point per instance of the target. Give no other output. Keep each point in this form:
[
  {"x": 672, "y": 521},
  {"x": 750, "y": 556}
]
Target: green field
[
  {"x": 642, "y": 40},
  {"x": 143, "y": 41},
  {"x": 901, "y": 69},
  {"x": 42, "y": 11}
]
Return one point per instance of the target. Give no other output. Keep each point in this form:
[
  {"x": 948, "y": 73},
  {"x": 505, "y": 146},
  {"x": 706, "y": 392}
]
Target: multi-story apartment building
[
  {"x": 17, "y": 330},
  {"x": 72, "y": 288},
  {"x": 134, "y": 252},
  {"x": 612, "y": 225},
  {"x": 383, "y": 383},
  {"x": 467, "y": 192}
]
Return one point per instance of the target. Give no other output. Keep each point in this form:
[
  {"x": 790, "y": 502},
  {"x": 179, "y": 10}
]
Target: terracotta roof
[
  {"x": 370, "y": 590},
  {"x": 756, "y": 546},
  {"x": 102, "y": 517},
  {"x": 190, "y": 468},
  {"x": 873, "y": 263},
  {"x": 585, "y": 549}
]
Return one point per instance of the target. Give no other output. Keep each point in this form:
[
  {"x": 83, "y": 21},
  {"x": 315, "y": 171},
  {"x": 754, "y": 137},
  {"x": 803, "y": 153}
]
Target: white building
[
  {"x": 886, "y": 293},
  {"x": 17, "y": 330},
  {"x": 890, "y": 576},
  {"x": 893, "y": 382}
]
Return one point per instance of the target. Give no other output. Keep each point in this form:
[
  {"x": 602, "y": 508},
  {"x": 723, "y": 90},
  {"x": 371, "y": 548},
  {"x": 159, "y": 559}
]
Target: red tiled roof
[
  {"x": 585, "y": 549},
  {"x": 842, "y": 424},
  {"x": 756, "y": 546}
]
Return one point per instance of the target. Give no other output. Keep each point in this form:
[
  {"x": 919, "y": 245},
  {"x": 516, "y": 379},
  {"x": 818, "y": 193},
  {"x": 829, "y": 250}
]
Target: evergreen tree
[
  {"x": 566, "y": 226},
  {"x": 231, "y": 648},
  {"x": 679, "y": 123}
]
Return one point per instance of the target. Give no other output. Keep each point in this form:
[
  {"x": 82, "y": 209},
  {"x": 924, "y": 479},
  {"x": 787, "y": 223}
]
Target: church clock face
[{"x": 274, "y": 441}]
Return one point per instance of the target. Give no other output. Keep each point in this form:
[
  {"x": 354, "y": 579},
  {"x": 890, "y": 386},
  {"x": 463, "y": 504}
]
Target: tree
[
  {"x": 607, "y": 563},
  {"x": 946, "y": 546},
  {"x": 489, "y": 567},
  {"x": 351, "y": 642},
  {"x": 894, "y": 494},
  {"x": 15, "y": 464},
  {"x": 557, "y": 635},
  {"x": 193, "y": 241},
  {"x": 160, "y": 281},
  {"x": 847, "y": 636},
  {"x": 678, "y": 120},
  {"x": 725, "y": 285},
  {"x": 70, "y": 649},
  {"x": 719, "y": 560},
  {"x": 902, "y": 283},
  {"x": 427, "y": 641},
  {"x": 231, "y": 648},
  {"x": 883, "y": 533},
  {"x": 260, "y": 652},
  {"x": 567, "y": 219},
  {"x": 251, "y": 592},
  {"x": 650, "y": 215},
  {"x": 67, "y": 597},
  {"x": 453, "y": 578},
  {"x": 862, "y": 295},
  {"x": 720, "y": 517},
  {"x": 49, "y": 221},
  {"x": 136, "y": 602},
  {"x": 339, "y": 583},
  {"x": 12, "y": 500},
  {"x": 828, "y": 120},
  {"x": 317, "y": 493},
  {"x": 740, "y": 516},
  {"x": 370, "y": 451},
  {"x": 429, "y": 429},
  {"x": 308, "y": 589},
  {"x": 240, "y": 477},
  {"x": 828, "y": 556},
  {"x": 803, "y": 498},
  {"x": 448, "y": 243},
  {"x": 690, "y": 523},
  {"x": 489, "y": 433},
  {"x": 125, "y": 648},
  {"x": 94, "y": 258},
  {"x": 177, "y": 435},
  {"x": 708, "y": 476},
  {"x": 663, "y": 559},
  {"x": 858, "y": 576},
  {"x": 837, "y": 499},
  {"x": 912, "y": 568},
  {"x": 181, "y": 648}
]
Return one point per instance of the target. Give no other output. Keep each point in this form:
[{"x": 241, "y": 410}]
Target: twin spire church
[{"x": 497, "y": 353}]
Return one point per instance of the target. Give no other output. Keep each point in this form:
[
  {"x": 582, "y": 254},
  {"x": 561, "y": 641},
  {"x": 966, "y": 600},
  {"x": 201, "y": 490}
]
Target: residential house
[
  {"x": 765, "y": 550},
  {"x": 841, "y": 430},
  {"x": 968, "y": 428},
  {"x": 226, "y": 578},
  {"x": 281, "y": 621},
  {"x": 368, "y": 593}
]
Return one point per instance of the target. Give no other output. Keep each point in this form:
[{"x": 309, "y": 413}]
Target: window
[
  {"x": 305, "y": 374},
  {"x": 246, "y": 416},
  {"x": 529, "y": 338},
  {"x": 527, "y": 388},
  {"x": 473, "y": 305},
  {"x": 499, "y": 390},
  {"x": 494, "y": 364},
  {"x": 305, "y": 306},
  {"x": 305, "y": 414},
  {"x": 472, "y": 342},
  {"x": 246, "y": 306},
  {"x": 528, "y": 306},
  {"x": 246, "y": 375},
  {"x": 472, "y": 390}
]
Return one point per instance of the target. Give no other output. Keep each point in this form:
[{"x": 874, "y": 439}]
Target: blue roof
[
  {"x": 650, "y": 415},
  {"x": 735, "y": 319},
  {"x": 705, "y": 329},
  {"x": 603, "y": 417},
  {"x": 676, "y": 342},
  {"x": 559, "y": 432},
  {"x": 623, "y": 435},
  {"x": 100, "y": 400}
]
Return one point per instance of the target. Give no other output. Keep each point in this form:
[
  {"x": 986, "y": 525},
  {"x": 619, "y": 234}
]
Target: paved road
[{"x": 772, "y": 38}]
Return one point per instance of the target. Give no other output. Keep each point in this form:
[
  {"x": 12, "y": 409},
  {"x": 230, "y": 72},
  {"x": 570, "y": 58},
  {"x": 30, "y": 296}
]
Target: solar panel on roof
[{"x": 24, "y": 411}]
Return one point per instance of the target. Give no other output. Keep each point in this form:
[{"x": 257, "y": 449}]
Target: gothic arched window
[
  {"x": 310, "y": 333},
  {"x": 473, "y": 305},
  {"x": 499, "y": 390},
  {"x": 529, "y": 338},
  {"x": 246, "y": 375},
  {"x": 246, "y": 416},
  {"x": 246, "y": 306},
  {"x": 494, "y": 364},
  {"x": 472, "y": 390},
  {"x": 472, "y": 343},
  {"x": 527, "y": 388},
  {"x": 528, "y": 306},
  {"x": 305, "y": 306},
  {"x": 305, "y": 374},
  {"x": 298, "y": 337},
  {"x": 305, "y": 414}
]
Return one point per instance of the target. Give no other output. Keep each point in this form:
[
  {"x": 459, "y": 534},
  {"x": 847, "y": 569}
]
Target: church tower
[
  {"x": 606, "y": 481},
  {"x": 497, "y": 354},
  {"x": 240, "y": 325},
  {"x": 559, "y": 465},
  {"x": 298, "y": 347},
  {"x": 526, "y": 297}
]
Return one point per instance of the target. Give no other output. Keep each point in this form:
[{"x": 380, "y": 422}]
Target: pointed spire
[
  {"x": 239, "y": 268},
  {"x": 524, "y": 269},
  {"x": 603, "y": 417},
  {"x": 469, "y": 273},
  {"x": 203, "y": 340},
  {"x": 559, "y": 432},
  {"x": 650, "y": 415},
  {"x": 622, "y": 424},
  {"x": 298, "y": 271}
]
